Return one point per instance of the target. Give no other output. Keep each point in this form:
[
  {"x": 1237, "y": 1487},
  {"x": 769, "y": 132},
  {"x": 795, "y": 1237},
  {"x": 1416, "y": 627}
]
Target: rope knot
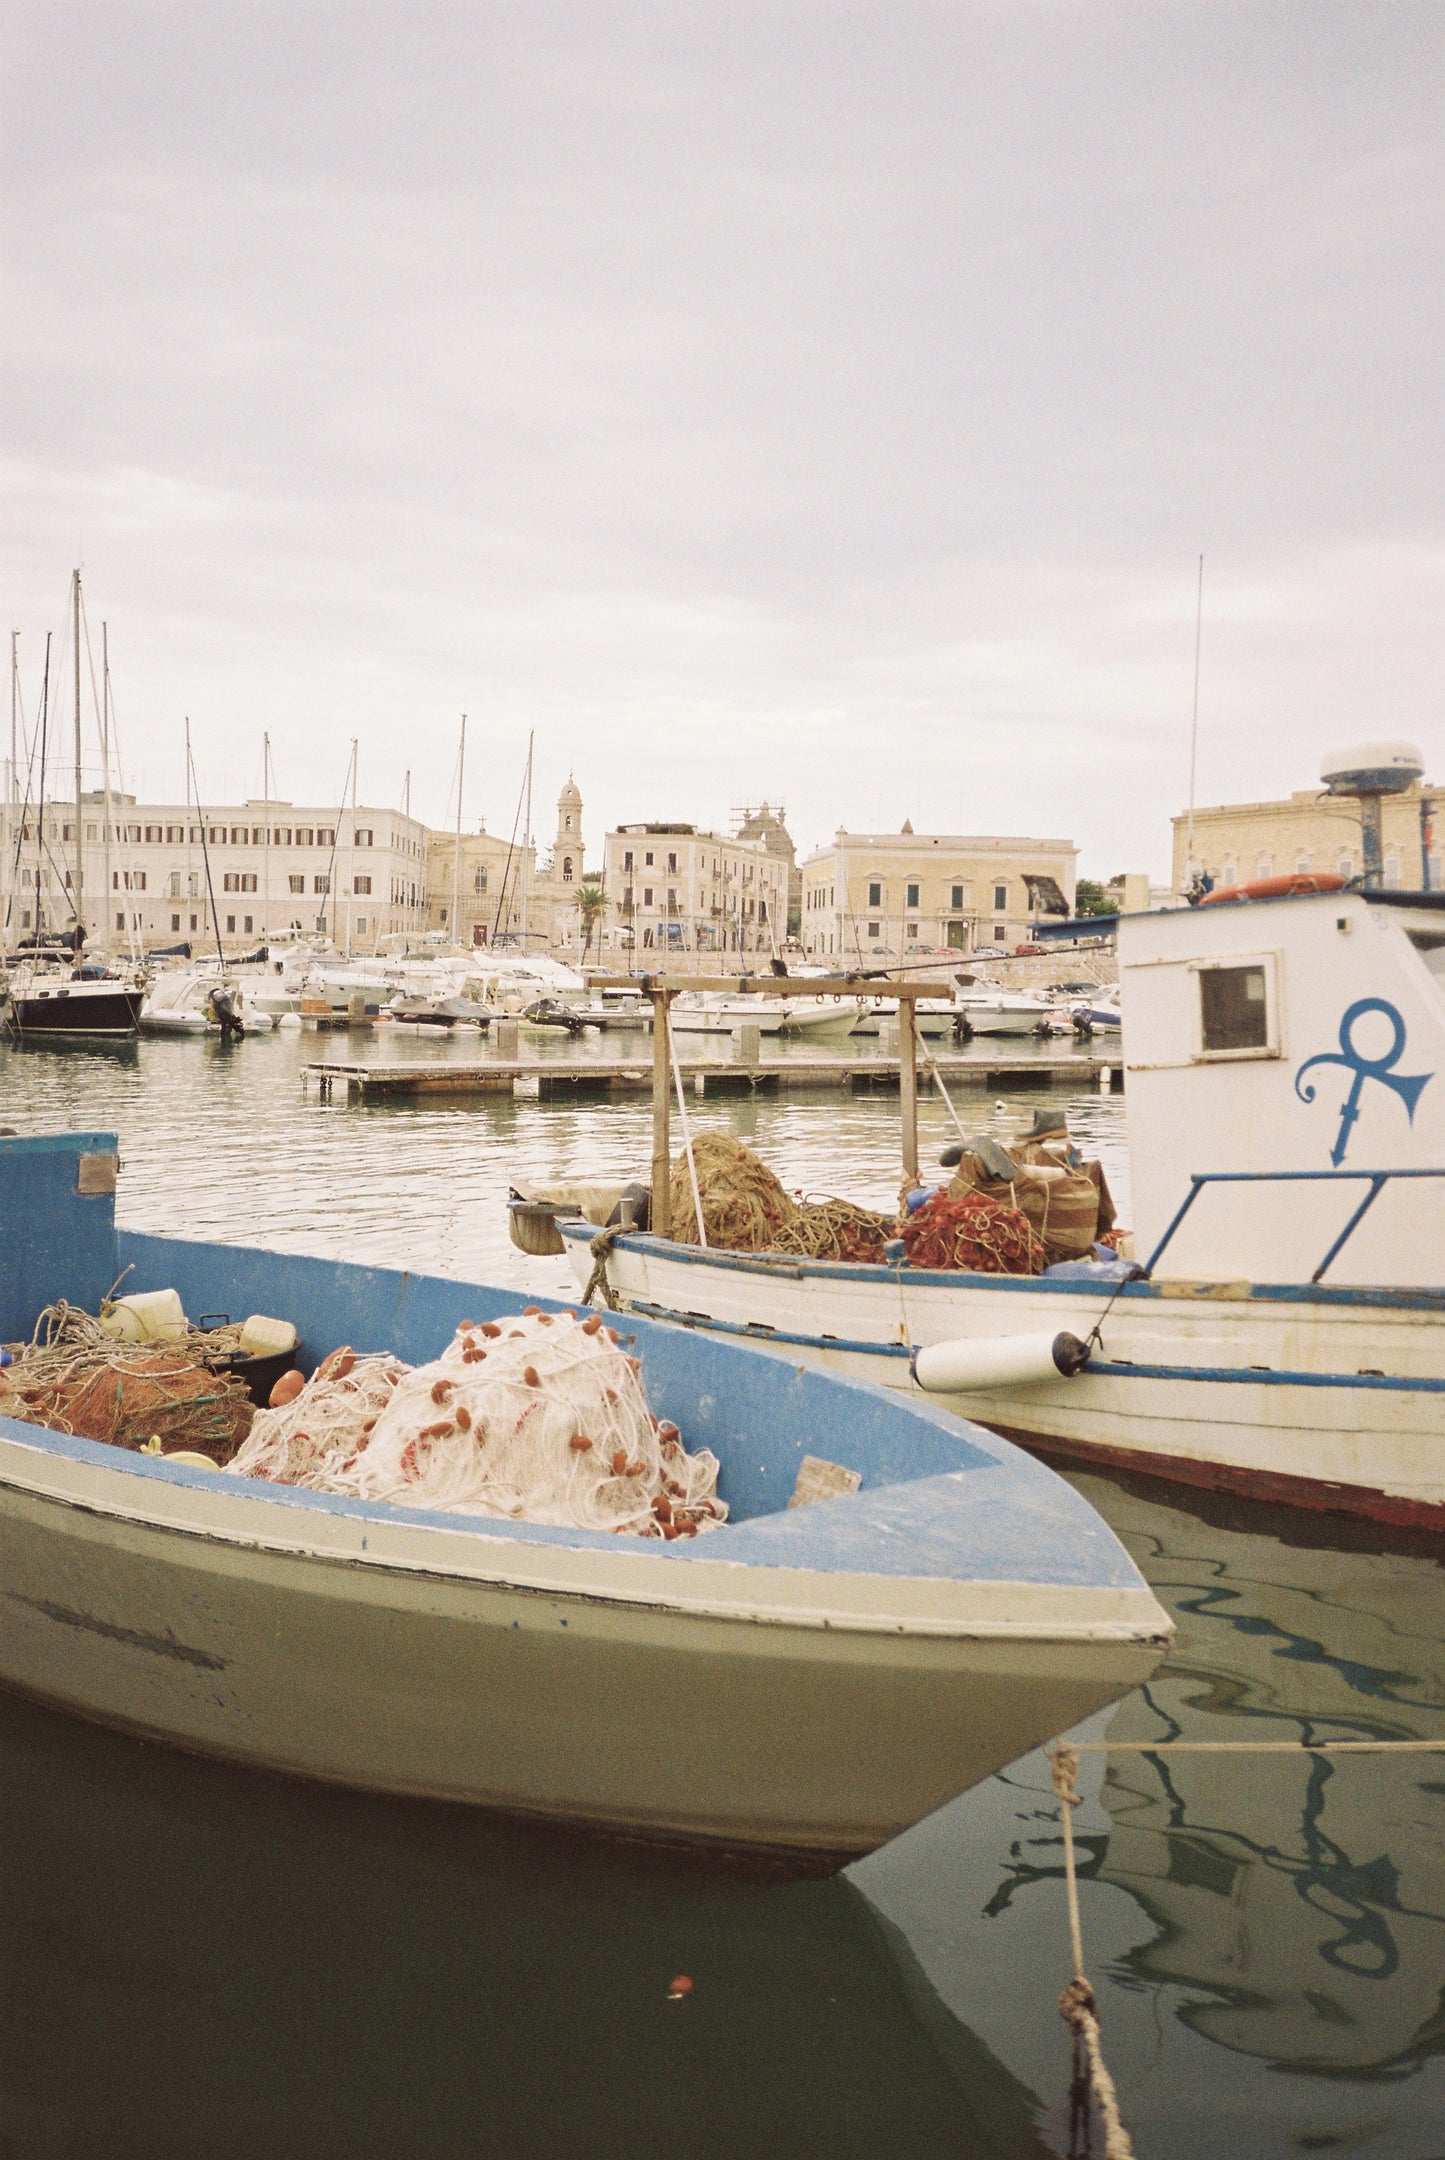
[{"x": 1077, "y": 2006}]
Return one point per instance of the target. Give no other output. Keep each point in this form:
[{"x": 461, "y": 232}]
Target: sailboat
[{"x": 53, "y": 992}]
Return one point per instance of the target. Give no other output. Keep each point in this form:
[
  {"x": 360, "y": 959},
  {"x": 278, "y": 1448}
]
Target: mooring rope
[{"x": 1077, "y": 2005}]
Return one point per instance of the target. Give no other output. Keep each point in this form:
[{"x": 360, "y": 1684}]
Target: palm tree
[{"x": 591, "y": 906}]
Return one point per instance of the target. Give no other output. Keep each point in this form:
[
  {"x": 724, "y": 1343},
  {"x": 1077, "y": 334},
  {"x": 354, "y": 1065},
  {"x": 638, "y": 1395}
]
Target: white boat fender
[{"x": 996, "y": 1361}]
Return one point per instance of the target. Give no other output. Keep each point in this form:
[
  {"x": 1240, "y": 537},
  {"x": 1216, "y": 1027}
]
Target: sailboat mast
[
  {"x": 1194, "y": 730},
  {"x": 7, "y": 892},
  {"x": 351, "y": 879},
  {"x": 106, "y": 804},
  {"x": 40, "y": 821},
  {"x": 406, "y": 905},
  {"x": 457, "y": 850},
  {"x": 527, "y": 842},
  {"x": 79, "y": 872}
]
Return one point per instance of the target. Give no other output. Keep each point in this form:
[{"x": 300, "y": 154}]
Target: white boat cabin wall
[{"x": 1283, "y": 1048}]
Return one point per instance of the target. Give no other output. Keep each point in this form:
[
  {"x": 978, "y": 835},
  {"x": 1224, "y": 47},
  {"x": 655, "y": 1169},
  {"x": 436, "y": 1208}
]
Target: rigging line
[
  {"x": 1194, "y": 723},
  {"x": 507, "y": 866},
  {"x": 205, "y": 846},
  {"x": 330, "y": 894}
]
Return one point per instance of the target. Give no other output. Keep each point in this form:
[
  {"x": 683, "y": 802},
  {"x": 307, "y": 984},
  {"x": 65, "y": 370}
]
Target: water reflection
[{"x": 206, "y": 1962}]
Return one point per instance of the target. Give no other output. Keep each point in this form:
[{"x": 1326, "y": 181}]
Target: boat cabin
[{"x": 1285, "y": 1072}]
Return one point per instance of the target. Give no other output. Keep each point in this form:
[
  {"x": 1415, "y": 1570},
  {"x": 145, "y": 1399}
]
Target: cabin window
[{"x": 1233, "y": 1010}]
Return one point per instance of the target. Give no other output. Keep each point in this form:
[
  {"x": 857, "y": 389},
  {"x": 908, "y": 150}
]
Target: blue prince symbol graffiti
[{"x": 1408, "y": 1086}]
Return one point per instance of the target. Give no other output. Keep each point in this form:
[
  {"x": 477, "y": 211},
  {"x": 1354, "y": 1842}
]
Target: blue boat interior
[{"x": 939, "y": 1497}]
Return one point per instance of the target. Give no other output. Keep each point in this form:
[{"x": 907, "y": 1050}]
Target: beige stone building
[
  {"x": 484, "y": 891},
  {"x": 158, "y": 874},
  {"x": 882, "y": 895},
  {"x": 672, "y": 888},
  {"x": 1310, "y": 830}
]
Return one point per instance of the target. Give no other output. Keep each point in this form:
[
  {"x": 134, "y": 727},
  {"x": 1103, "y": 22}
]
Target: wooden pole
[
  {"x": 908, "y": 1085},
  {"x": 661, "y": 1221}
]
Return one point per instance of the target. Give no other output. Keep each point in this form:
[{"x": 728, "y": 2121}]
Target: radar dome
[{"x": 1372, "y": 768}]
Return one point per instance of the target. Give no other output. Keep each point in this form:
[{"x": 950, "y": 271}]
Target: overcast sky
[{"x": 826, "y": 402}]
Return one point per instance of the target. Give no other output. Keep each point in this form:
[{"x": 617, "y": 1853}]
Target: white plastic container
[
  {"x": 147, "y": 1316},
  {"x": 264, "y": 1337}
]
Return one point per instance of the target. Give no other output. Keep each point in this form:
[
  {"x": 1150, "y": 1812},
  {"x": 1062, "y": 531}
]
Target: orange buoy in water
[{"x": 678, "y": 1988}]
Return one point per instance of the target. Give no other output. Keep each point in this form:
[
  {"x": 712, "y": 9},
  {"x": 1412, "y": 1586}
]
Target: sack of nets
[
  {"x": 129, "y": 1396},
  {"x": 835, "y": 1230},
  {"x": 538, "y": 1418},
  {"x": 988, "y": 1237},
  {"x": 743, "y": 1205}
]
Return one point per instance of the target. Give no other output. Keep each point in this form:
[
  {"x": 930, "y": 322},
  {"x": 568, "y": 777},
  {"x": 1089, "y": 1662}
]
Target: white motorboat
[
  {"x": 808, "y": 1678},
  {"x": 200, "y": 1001},
  {"x": 1286, "y": 1335},
  {"x": 1004, "y": 1012}
]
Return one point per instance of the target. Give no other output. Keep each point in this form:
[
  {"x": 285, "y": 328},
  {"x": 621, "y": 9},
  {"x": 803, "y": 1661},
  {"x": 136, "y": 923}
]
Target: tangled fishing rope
[
  {"x": 744, "y": 1206},
  {"x": 75, "y": 1378},
  {"x": 834, "y": 1230},
  {"x": 987, "y": 1236},
  {"x": 539, "y": 1418}
]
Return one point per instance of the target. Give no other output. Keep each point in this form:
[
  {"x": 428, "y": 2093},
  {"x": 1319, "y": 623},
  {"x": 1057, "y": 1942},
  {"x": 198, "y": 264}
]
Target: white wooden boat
[
  {"x": 812, "y": 1678},
  {"x": 1286, "y": 1105}
]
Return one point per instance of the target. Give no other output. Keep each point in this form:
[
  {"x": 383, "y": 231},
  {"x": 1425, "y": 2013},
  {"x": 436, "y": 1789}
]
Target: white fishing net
[
  {"x": 541, "y": 1418},
  {"x": 310, "y": 1440}
]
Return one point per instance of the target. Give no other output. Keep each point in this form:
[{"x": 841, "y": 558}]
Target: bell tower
[{"x": 567, "y": 853}]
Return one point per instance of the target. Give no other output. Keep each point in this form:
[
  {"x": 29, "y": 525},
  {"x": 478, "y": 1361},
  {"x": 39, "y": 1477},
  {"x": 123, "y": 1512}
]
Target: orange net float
[{"x": 983, "y": 1236}]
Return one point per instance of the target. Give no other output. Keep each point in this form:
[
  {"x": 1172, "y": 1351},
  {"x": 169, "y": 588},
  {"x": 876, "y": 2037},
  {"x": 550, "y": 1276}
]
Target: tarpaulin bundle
[{"x": 988, "y": 1237}]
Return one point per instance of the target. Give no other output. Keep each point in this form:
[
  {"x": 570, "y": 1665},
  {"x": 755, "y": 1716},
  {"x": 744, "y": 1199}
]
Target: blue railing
[{"x": 1377, "y": 1180}]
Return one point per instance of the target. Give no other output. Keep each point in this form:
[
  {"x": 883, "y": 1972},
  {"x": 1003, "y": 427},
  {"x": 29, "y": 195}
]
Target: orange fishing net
[{"x": 985, "y": 1236}]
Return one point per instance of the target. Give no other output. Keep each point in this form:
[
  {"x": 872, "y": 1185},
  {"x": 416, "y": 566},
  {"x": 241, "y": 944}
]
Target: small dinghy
[{"x": 810, "y": 1678}]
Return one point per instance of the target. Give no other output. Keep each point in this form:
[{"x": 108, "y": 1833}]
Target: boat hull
[
  {"x": 77, "y": 1009},
  {"x": 379, "y": 1664},
  {"x": 1320, "y": 1397}
]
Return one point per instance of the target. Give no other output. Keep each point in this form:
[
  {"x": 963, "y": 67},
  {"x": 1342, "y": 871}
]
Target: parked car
[
  {"x": 1027, "y": 952},
  {"x": 988, "y": 952}
]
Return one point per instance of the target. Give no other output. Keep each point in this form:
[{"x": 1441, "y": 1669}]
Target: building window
[
  {"x": 248, "y": 881},
  {"x": 230, "y": 923},
  {"x": 363, "y": 836},
  {"x": 873, "y": 929},
  {"x": 120, "y": 922},
  {"x": 326, "y": 836},
  {"x": 479, "y": 881},
  {"x": 240, "y": 834},
  {"x": 322, "y": 884},
  {"x": 647, "y": 892},
  {"x": 1228, "y": 874},
  {"x": 153, "y": 833},
  {"x": 194, "y": 921},
  {"x": 910, "y": 896},
  {"x": 175, "y": 922},
  {"x": 173, "y": 888},
  {"x": 1266, "y": 866},
  {"x": 303, "y": 836},
  {"x": 361, "y": 885},
  {"x": 566, "y": 869},
  {"x": 231, "y": 882},
  {"x": 647, "y": 861},
  {"x": 296, "y": 884},
  {"x": 1347, "y": 866},
  {"x": 361, "y": 925},
  {"x": 956, "y": 902},
  {"x": 246, "y": 922},
  {"x": 671, "y": 863},
  {"x": 875, "y": 896},
  {"x": 913, "y": 929},
  {"x": 1301, "y": 864},
  {"x": 1392, "y": 872},
  {"x": 1000, "y": 932},
  {"x": 627, "y": 860},
  {"x": 1000, "y": 900}
]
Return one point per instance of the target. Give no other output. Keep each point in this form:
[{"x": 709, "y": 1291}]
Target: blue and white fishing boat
[
  {"x": 1283, "y": 1335},
  {"x": 811, "y": 1678}
]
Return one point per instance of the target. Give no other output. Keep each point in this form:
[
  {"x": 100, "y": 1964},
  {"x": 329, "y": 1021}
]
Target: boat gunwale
[{"x": 500, "y": 1539}]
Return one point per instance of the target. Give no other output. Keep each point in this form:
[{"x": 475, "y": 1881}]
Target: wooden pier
[{"x": 552, "y": 1080}]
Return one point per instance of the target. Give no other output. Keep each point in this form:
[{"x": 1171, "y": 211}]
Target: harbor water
[{"x": 200, "y": 1961}]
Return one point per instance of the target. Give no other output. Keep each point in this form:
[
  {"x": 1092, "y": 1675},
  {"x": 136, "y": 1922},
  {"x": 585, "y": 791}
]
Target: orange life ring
[{"x": 1277, "y": 888}]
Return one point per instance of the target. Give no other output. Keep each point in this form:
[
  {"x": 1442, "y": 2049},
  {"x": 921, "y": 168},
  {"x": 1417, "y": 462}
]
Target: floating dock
[{"x": 550, "y": 1080}]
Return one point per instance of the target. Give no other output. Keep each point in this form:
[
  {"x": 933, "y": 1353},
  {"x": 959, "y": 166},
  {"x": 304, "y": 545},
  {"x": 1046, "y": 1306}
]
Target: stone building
[
  {"x": 673, "y": 888},
  {"x": 885, "y": 895},
  {"x": 1235, "y": 843},
  {"x": 768, "y": 823},
  {"x": 167, "y": 873},
  {"x": 485, "y": 891}
]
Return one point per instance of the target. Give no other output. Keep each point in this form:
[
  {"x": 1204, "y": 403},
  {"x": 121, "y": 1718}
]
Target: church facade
[{"x": 484, "y": 891}]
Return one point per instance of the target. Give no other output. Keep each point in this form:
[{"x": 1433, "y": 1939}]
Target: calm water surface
[{"x": 201, "y": 1962}]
